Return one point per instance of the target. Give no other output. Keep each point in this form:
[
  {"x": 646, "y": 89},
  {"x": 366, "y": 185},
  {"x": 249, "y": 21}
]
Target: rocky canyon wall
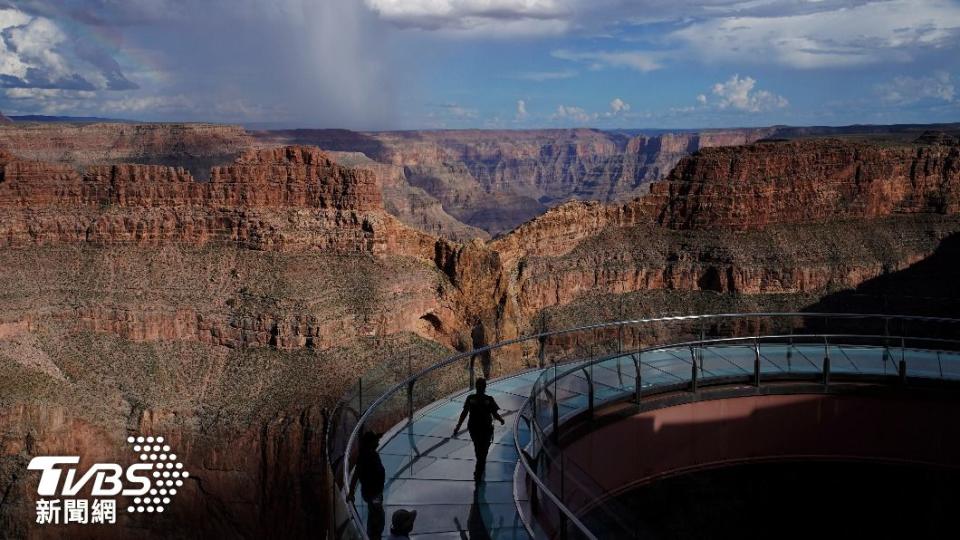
[
  {"x": 224, "y": 315},
  {"x": 496, "y": 180},
  {"x": 227, "y": 313},
  {"x": 756, "y": 185},
  {"x": 195, "y": 147}
]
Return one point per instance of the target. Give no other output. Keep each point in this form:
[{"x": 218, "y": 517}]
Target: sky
[{"x": 503, "y": 64}]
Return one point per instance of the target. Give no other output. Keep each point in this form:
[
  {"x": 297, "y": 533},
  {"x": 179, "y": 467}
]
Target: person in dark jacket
[
  {"x": 371, "y": 475},
  {"x": 482, "y": 410},
  {"x": 401, "y": 524}
]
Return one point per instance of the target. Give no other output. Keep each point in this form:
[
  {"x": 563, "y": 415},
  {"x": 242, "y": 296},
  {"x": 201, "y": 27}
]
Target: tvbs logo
[{"x": 151, "y": 483}]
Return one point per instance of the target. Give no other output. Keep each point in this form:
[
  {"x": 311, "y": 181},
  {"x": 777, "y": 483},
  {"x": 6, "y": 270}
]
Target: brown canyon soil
[{"x": 226, "y": 309}]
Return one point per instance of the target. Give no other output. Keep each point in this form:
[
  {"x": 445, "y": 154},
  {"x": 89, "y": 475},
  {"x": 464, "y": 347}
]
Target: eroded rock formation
[
  {"x": 756, "y": 185},
  {"x": 193, "y": 146},
  {"x": 496, "y": 180},
  {"x": 225, "y": 314}
]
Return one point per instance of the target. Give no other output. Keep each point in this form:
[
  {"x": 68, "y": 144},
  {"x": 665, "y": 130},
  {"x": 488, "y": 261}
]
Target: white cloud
[
  {"x": 484, "y": 18},
  {"x": 35, "y": 52},
  {"x": 443, "y": 9},
  {"x": 541, "y": 76},
  {"x": 569, "y": 113},
  {"x": 867, "y": 33},
  {"x": 738, "y": 93},
  {"x": 458, "y": 111},
  {"x": 576, "y": 114},
  {"x": 47, "y": 93},
  {"x": 521, "y": 111},
  {"x": 35, "y": 42},
  {"x": 642, "y": 61},
  {"x": 702, "y": 99},
  {"x": 907, "y": 90},
  {"x": 618, "y": 106}
]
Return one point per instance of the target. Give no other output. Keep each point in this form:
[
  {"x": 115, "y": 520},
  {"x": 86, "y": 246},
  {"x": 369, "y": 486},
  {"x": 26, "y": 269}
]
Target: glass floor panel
[{"x": 431, "y": 471}]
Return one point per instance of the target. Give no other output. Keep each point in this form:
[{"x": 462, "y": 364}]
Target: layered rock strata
[
  {"x": 226, "y": 314},
  {"x": 753, "y": 186},
  {"x": 496, "y": 180}
]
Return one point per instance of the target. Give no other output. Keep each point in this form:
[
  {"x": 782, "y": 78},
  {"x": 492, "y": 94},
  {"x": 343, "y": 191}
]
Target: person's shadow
[{"x": 476, "y": 525}]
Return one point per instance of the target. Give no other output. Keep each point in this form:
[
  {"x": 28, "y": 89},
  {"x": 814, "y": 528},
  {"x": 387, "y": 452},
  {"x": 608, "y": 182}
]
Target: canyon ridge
[{"x": 224, "y": 287}]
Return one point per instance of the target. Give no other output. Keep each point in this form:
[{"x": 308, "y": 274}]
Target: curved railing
[
  {"x": 782, "y": 346},
  {"x": 398, "y": 394}
]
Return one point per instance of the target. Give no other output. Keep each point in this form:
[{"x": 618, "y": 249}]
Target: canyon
[
  {"x": 496, "y": 180},
  {"x": 228, "y": 308}
]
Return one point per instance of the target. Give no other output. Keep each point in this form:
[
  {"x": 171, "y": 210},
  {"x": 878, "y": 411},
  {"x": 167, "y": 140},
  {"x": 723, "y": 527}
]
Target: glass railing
[
  {"x": 583, "y": 368},
  {"x": 700, "y": 351}
]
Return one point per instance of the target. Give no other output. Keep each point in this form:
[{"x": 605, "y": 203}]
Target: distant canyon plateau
[{"x": 224, "y": 287}]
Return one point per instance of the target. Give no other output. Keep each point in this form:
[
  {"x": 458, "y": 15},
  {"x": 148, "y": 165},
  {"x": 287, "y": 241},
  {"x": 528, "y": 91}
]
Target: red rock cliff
[
  {"x": 290, "y": 198},
  {"x": 111, "y": 142},
  {"x": 806, "y": 181},
  {"x": 496, "y": 180}
]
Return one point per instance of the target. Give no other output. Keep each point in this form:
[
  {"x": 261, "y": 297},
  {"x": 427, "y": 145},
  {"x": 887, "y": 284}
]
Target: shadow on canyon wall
[
  {"x": 929, "y": 287},
  {"x": 338, "y": 140}
]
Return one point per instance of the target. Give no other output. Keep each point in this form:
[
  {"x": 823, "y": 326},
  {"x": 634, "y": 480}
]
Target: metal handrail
[
  {"x": 412, "y": 379},
  {"x": 545, "y": 381},
  {"x": 580, "y": 365}
]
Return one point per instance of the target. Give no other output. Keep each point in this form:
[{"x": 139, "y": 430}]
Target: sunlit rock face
[
  {"x": 815, "y": 180},
  {"x": 226, "y": 312}
]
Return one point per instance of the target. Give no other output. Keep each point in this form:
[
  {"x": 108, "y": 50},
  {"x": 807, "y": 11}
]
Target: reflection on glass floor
[{"x": 431, "y": 471}]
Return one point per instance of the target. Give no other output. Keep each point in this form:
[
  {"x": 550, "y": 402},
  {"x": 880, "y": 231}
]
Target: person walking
[
  {"x": 402, "y": 524},
  {"x": 482, "y": 410},
  {"x": 370, "y": 473}
]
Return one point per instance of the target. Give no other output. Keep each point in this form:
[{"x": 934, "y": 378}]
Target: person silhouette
[
  {"x": 372, "y": 477},
  {"x": 402, "y": 524},
  {"x": 482, "y": 410}
]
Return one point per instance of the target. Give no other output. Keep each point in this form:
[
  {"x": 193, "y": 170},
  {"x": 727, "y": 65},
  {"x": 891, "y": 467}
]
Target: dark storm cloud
[
  {"x": 316, "y": 62},
  {"x": 35, "y": 78}
]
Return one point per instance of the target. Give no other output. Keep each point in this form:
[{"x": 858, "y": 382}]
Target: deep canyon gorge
[{"x": 224, "y": 287}]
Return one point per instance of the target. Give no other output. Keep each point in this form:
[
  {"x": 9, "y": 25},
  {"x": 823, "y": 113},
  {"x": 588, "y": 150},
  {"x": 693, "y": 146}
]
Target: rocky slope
[
  {"x": 496, "y": 180},
  {"x": 195, "y": 147},
  {"x": 223, "y": 314},
  {"x": 411, "y": 205},
  {"x": 200, "y": 147},
  {"x": 227, "y": 314},
  {"x": 777, "y": 224}
]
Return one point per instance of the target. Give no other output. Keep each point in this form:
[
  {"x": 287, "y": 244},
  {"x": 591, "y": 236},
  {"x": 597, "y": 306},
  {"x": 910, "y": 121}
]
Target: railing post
[
  {"x": 637, "y": 364},
  {"x": 756, "y": 362},
  {"x": 410, "y": 401},
  {"x": 902, "y": 368},
  {"x": 588, "y": 373},
  {"x": 693, "y": 371},
  {"x": 619, "y": 372},
  {"x": 555, "y": 434},
  {"x": 790, "y": 354},
  {"x": 826, "y": 362},
  {"x": 473, "y": 372},
  {"x": 700, "y": 348},
  {"x": 886, "y": 344}
]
